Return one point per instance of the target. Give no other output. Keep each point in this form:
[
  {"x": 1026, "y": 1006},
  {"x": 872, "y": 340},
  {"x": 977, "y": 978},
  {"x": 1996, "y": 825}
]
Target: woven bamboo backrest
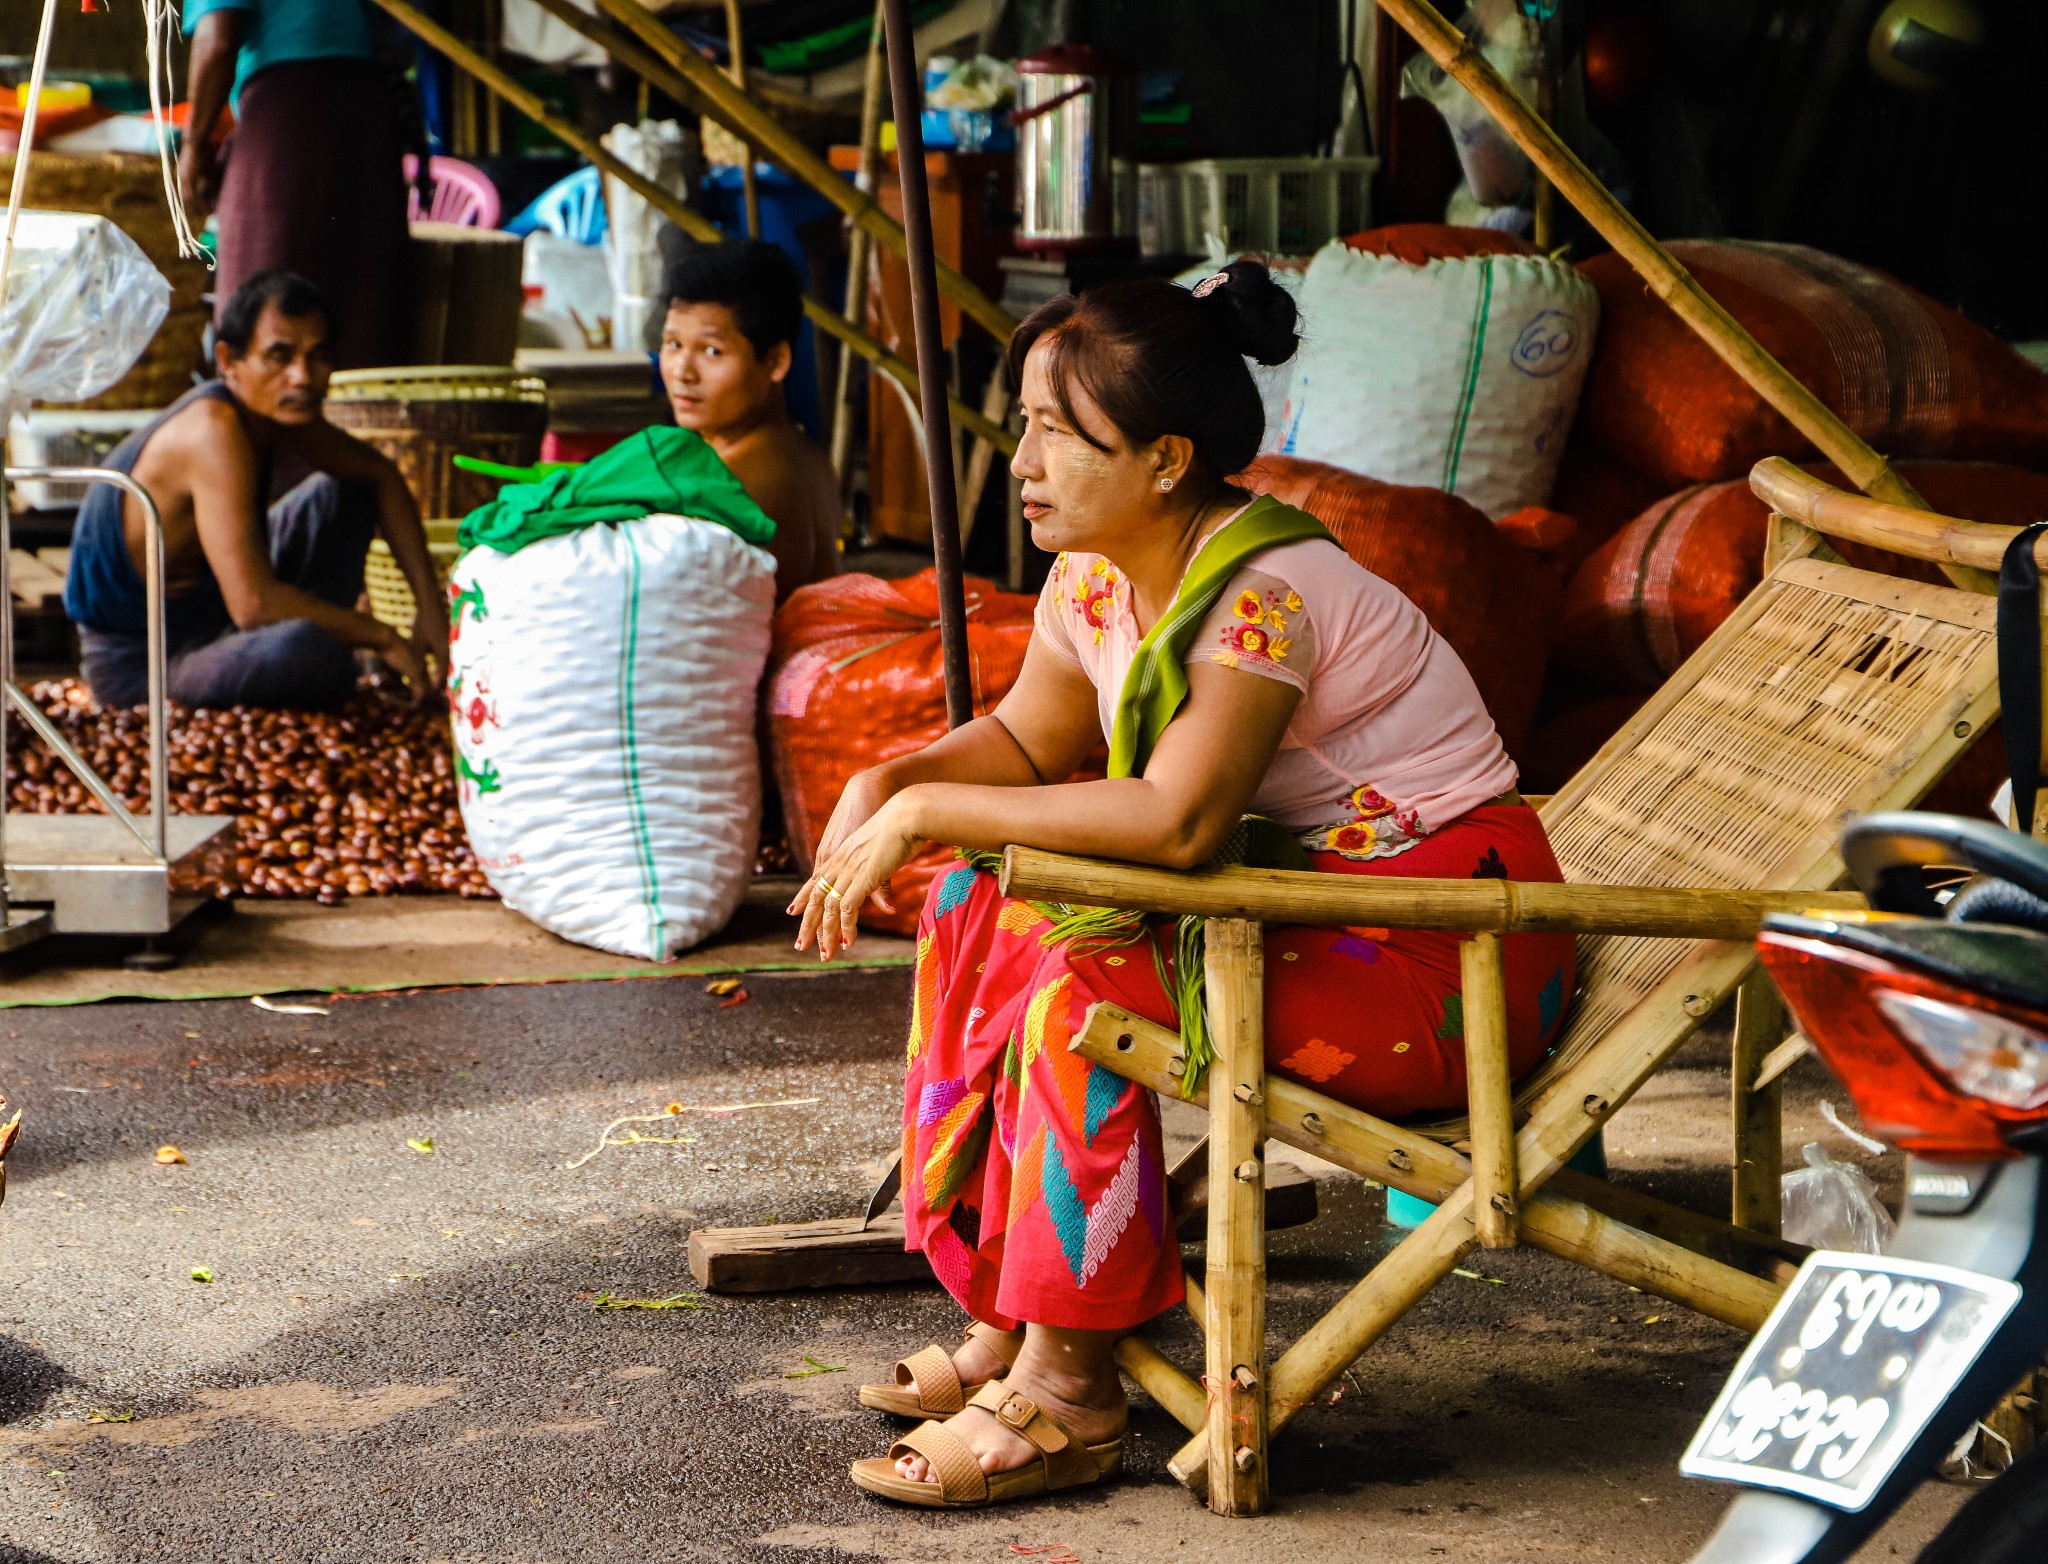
[{"x": 1830, "y": 692}]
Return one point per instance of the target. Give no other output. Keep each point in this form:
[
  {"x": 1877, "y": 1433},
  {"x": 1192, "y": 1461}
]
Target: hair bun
[{"x": 1260, "y": 312}]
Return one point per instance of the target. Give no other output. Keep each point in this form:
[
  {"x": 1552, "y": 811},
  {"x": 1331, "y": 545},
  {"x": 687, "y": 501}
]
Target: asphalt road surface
[{"x": 399, "y": 1356}]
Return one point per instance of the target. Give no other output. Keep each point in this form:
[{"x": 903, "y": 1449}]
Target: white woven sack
[
  {"x": 1461, "y": 375},
  {"x": 604, "y": 690}
]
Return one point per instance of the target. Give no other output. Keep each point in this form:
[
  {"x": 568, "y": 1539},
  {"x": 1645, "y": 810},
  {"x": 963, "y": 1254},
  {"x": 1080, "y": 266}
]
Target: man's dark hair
[
  {"x": 754, "y": 279},
  {"x": 294, "y": 297}
]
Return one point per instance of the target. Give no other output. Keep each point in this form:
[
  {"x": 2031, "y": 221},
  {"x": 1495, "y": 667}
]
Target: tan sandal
[
  {"x": 927, "y": 1384},
  {"x": 963, "y": 1485}
]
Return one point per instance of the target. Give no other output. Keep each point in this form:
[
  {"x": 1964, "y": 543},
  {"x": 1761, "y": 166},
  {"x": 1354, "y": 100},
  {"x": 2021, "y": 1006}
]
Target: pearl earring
[{"x": 1165, "y": 485}]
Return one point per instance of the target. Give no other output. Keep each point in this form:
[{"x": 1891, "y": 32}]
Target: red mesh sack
[
  {"x": 1420, "y": 243},
  {"x": 855, "y": 678},
  {"x": 1601, "y": 494},
  {"x": 1654, "y": 591},
  {"x": 1911, "y": 376},
  {"x": 1492, "y": 600}
]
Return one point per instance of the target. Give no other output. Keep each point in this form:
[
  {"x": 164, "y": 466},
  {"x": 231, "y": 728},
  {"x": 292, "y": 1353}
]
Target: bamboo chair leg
[
  {"x": 1388, "y": 1291},
  {"x": 1758, "y": 1111},
  {"x": 1495, "y": 1188},
  {"x": 1162, "y": 1381},
  {"x": 1236, "y": 1347}
]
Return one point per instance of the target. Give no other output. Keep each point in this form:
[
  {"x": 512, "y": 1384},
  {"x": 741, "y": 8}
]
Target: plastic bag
[
  {"x": 666, "y": 154},
  {"x": 1496, "y": 170},
  {"x": 1833, "y": 1205},
  {"x": 83, "y": 302},
  {"x": 983, "y": 83}
]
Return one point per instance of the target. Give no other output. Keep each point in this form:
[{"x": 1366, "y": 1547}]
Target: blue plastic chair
[{"x": 572, "y": 207}]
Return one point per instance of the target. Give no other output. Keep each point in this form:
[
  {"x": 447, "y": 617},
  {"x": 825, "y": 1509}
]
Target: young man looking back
[{"x": 733, "y": 314}]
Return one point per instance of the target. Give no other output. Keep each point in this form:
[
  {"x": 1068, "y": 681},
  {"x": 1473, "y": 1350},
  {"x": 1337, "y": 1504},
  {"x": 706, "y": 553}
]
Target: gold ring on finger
[{"x": 826, "y": 886}]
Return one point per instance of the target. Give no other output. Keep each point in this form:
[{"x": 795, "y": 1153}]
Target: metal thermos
[{"x": 1076, "y": 120}]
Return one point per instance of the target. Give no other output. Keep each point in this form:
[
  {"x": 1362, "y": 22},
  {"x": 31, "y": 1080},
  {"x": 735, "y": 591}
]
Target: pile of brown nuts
[{"x": 360, "y": 801}]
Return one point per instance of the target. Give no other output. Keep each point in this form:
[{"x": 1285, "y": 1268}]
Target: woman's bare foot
[
  {"x": 1072, "y": 1377},
  {"x": 977, "y": 1362}
]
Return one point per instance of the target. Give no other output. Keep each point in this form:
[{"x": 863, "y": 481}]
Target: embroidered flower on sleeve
[
  {"x": 1095, "y": 608},
  {"x": 1249, "y": 607}
]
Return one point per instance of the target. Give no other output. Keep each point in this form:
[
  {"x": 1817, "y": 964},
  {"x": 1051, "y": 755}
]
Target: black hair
[
  {"x": 1160, "y": 359},
  {"x": 294, "y": 297},
  {"x": 754, "y": 279}
]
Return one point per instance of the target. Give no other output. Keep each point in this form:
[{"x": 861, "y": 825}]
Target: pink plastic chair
[{"x": 463, "y": 193}]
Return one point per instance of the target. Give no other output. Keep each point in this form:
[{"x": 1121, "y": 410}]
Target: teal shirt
[{"x": 281, "y": 30}]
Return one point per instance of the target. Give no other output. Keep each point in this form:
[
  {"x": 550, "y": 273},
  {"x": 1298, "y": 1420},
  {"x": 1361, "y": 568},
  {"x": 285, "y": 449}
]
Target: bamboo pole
[
  {"x": 1671, "y": 282},
  {"x": 692, "y": 223},
  {"x": 1919, "y": 534},
  {"x": 1490, "y": 1088},
  {"x": 1235, "y": 1328},
  {"x": 736, "y": 67},
  {"x": 939, "y": 478},
  {"x": 1330, "y": 900},
  {"x": 1758, "y": 1118},
  {"x": 740, "y": 114},
  {"x": 860, "y": 249},
  {"x": 995, "y": 406}
]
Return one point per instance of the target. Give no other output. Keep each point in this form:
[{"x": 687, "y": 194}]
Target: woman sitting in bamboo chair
[{"x": 1240, "y": 662}]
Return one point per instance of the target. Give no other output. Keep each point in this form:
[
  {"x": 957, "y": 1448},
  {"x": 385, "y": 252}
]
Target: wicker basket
[
  {"x": 423, "y": 418},
  {"x": 391, "y": 598}
]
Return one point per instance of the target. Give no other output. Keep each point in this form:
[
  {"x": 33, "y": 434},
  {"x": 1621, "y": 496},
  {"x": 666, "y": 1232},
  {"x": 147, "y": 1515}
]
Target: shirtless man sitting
[
  {"x": 734, "y": 310},
  {"x": 259, "y": 599}
]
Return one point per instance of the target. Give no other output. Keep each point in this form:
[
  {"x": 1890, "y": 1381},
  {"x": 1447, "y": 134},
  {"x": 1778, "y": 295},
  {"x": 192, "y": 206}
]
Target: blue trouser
[{"x": 320, "y": 533}]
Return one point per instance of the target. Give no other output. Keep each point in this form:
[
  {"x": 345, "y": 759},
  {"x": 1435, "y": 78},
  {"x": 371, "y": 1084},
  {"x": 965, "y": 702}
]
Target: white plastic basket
[
  {"x": 1280, "y": 206},
  {"x": 65, "y": 437}
]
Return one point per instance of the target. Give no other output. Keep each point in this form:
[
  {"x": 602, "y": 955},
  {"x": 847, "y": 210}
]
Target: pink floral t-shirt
[{"x": 1391, "y": 740}]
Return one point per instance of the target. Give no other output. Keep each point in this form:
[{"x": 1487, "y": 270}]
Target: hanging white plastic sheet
[{"x": 82, "y": 302}]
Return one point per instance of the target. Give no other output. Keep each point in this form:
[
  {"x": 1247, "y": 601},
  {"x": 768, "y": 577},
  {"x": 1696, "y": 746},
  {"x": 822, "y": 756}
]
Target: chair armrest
[{"x": 1463, "y": 906}]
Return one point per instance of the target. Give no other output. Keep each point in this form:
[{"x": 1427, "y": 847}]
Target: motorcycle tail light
[
  {"x": 1938, "y": 1071},
  {"x": 1984, "y": 1055}
]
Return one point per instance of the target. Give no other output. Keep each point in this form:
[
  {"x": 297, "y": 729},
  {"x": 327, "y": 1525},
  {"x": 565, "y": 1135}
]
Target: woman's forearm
[
  {"x": 980, "y": 752},
  {"x": 1125, "y": 817}
]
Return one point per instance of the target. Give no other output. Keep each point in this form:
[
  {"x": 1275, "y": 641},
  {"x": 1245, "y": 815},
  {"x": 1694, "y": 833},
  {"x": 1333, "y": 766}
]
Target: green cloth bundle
[{"x": 666, "y": 471}]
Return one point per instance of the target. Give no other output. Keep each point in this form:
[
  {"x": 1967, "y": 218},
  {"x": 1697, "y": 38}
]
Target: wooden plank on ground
[{"x": 793, "y": 1256}]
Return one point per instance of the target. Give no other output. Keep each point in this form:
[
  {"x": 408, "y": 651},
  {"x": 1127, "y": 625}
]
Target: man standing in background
[{"x": 312, "y": 181}]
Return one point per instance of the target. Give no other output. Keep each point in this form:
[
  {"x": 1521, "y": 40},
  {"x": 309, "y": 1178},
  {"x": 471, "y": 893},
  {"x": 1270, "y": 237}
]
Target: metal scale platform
[{"x": 96, "y": 874}]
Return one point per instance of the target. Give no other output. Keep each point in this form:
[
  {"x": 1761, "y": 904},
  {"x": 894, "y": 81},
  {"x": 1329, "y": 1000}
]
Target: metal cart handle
[{"x": 152, "y": 837}]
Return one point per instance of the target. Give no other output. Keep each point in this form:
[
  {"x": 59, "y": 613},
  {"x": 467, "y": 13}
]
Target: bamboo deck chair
[{"x": 1830, "y": 692}]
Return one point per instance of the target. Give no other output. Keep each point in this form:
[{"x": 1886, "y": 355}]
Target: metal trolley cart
[{"x": 96, "y": 874}]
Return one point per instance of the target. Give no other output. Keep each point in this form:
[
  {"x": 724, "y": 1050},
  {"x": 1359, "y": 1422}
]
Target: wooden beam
[
  {"x": 1667, "y": 279},
  {"x": 738, "y": 112},
  {"x": 1335, "y": 900},
  {"x": 665, "y": 202},
  {"x": 1235, "y": 976},
  {"x": 1758, "y": 1118},
  {"x": 1490, "y": 1090}
]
